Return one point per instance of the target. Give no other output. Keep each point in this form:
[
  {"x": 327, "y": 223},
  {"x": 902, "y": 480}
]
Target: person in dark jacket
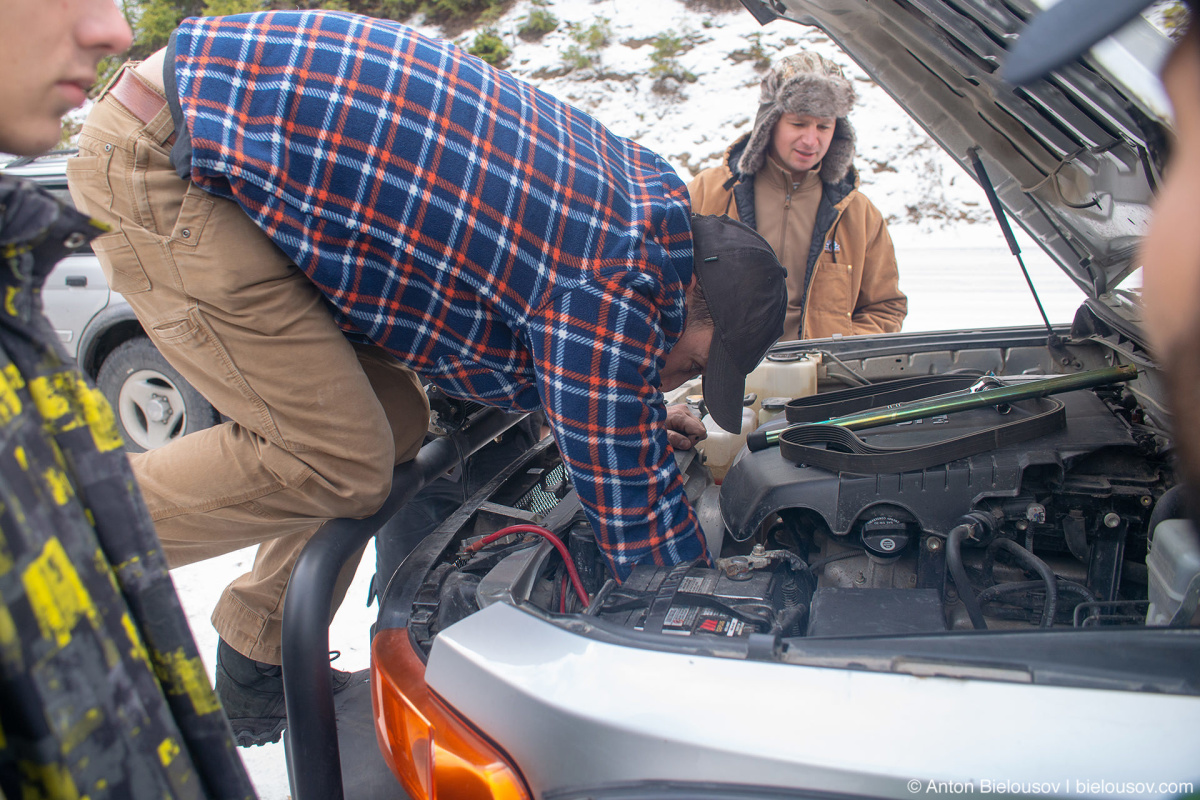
[
  {"x": 793, "y": 180},
  {"x": 102, "y": 690}
]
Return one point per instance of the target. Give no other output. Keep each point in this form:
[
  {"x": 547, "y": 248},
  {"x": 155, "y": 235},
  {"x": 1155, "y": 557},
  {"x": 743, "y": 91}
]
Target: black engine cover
[{"x": 763, "y": 483}]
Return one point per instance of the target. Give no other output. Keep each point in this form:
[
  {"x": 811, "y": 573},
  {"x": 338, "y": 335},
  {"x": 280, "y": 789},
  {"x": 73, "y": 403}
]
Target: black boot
[{"x": 252, "y": 694}]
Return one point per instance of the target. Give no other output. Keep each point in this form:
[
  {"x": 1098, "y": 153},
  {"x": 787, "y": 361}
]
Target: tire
[{"x": 154, "y": 404}]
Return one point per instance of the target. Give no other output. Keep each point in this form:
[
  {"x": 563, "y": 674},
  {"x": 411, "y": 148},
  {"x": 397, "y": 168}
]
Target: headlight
[{"x": 432, "y": 751}]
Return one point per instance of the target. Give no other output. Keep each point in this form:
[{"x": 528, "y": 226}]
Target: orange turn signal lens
[{"x": 433, "y": 752}]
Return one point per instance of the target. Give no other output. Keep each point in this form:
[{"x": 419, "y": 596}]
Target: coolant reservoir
[
  {"x": 789, "y": 375},
  {"x": 1174, "y": 571},
  {"x": 721, "y": 446},
  {"x": 772, "y": 407}
]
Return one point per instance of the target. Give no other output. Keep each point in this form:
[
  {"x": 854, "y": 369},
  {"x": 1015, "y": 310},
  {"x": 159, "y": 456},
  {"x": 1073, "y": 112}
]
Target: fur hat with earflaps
[{"x": 807, "y": 84}]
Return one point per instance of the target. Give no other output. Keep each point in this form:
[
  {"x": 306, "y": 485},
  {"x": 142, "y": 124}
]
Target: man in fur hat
[{"x": 791, "y": 179}]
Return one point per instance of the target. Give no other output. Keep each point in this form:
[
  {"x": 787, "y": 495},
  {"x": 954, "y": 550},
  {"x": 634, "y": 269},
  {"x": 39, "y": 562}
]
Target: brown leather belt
[{"x": 138, "y": 98}]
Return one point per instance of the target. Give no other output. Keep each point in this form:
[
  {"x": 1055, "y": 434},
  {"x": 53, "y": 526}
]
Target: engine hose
[
  {"x": 794, "y": 605},
  {"x": 798, "y": 564},
  {"x": 791, "y": 591},
  {"x": 1134, "y": 572},
  {"x": 788, "y": 618},
  {"x": 1172, "y": 505},
  {"x": 958, "y": 573},
  {"x": 1064, "y": 587},
  {"x": 1030, "y": 561}
]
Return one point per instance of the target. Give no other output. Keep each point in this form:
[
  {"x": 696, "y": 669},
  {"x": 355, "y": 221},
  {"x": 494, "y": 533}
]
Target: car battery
[{"x": 690, "y": 600}]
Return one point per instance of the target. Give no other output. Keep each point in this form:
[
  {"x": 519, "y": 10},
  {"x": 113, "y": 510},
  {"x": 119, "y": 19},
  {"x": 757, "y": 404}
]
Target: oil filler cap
[{"x": 885, "y": 536}]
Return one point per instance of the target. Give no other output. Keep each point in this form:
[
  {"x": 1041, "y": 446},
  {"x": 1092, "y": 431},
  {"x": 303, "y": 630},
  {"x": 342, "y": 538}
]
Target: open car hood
[{"x": 1075, "y": 159}]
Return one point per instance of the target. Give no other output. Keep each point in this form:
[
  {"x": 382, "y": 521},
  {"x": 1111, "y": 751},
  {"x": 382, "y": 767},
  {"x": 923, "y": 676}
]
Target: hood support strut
[{"x": 1054, "y": 342}]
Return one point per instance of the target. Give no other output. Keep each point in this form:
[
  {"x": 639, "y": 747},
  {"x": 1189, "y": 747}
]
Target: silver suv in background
[{"x": 154, "y": 403}]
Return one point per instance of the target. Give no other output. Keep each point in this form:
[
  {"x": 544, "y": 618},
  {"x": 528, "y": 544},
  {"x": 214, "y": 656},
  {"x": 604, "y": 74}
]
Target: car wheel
[{"x": 154, "y": 404}]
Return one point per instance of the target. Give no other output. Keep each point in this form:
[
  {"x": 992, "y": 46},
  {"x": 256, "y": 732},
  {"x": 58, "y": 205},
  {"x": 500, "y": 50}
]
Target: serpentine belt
[
  {"x": 839, "y": 449},
  {"x": 820, "y": 407}
]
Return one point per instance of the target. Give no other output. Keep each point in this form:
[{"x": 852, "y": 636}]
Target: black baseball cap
[
  {"x": 1064, "y": 32},
  {"x": 743, "y": 283}
]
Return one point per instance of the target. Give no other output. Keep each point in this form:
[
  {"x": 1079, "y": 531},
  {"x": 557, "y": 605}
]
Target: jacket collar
[{"x": 835, "y": 191}]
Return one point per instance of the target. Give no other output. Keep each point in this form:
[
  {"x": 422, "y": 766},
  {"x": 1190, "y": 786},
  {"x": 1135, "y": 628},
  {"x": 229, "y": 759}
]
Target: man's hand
[{"x": 684, "y": 428}]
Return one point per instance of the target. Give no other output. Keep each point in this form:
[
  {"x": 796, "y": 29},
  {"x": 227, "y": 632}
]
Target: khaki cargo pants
[{"x": 316, "y": 424}]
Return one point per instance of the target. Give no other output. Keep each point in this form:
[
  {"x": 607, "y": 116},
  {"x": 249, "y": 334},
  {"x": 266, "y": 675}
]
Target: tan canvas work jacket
[{"x": 847, "y": 282}]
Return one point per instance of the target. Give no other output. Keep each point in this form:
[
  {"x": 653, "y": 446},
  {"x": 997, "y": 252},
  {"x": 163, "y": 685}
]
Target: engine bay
[
  {"x": 1051, "y": 532},
  {"x": 1078, "y": 500}
]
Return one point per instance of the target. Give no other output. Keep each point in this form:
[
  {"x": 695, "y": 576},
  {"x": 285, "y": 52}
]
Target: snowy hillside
[
  {"x": 954, "y": 265},
  {"x": 691, "y": 122}
]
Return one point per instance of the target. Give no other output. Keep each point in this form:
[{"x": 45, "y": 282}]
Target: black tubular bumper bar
[{"x": 313, "y": 755}]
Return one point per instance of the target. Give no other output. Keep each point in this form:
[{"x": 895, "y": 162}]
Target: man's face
[
  {"x": 687, "y": 358},
  {"x": 799, "y": 141},
  {"x": 49, "y": 50},
  {"x": 1171, "y": 253}
]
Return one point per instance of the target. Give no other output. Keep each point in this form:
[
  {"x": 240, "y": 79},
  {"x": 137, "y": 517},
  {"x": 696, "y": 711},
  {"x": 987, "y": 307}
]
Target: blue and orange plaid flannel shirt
[{"x": 497, "y": 241}]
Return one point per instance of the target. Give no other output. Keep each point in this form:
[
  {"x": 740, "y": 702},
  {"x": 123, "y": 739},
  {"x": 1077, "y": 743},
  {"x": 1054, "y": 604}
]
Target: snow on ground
[{"x": 954, "y": 263}]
